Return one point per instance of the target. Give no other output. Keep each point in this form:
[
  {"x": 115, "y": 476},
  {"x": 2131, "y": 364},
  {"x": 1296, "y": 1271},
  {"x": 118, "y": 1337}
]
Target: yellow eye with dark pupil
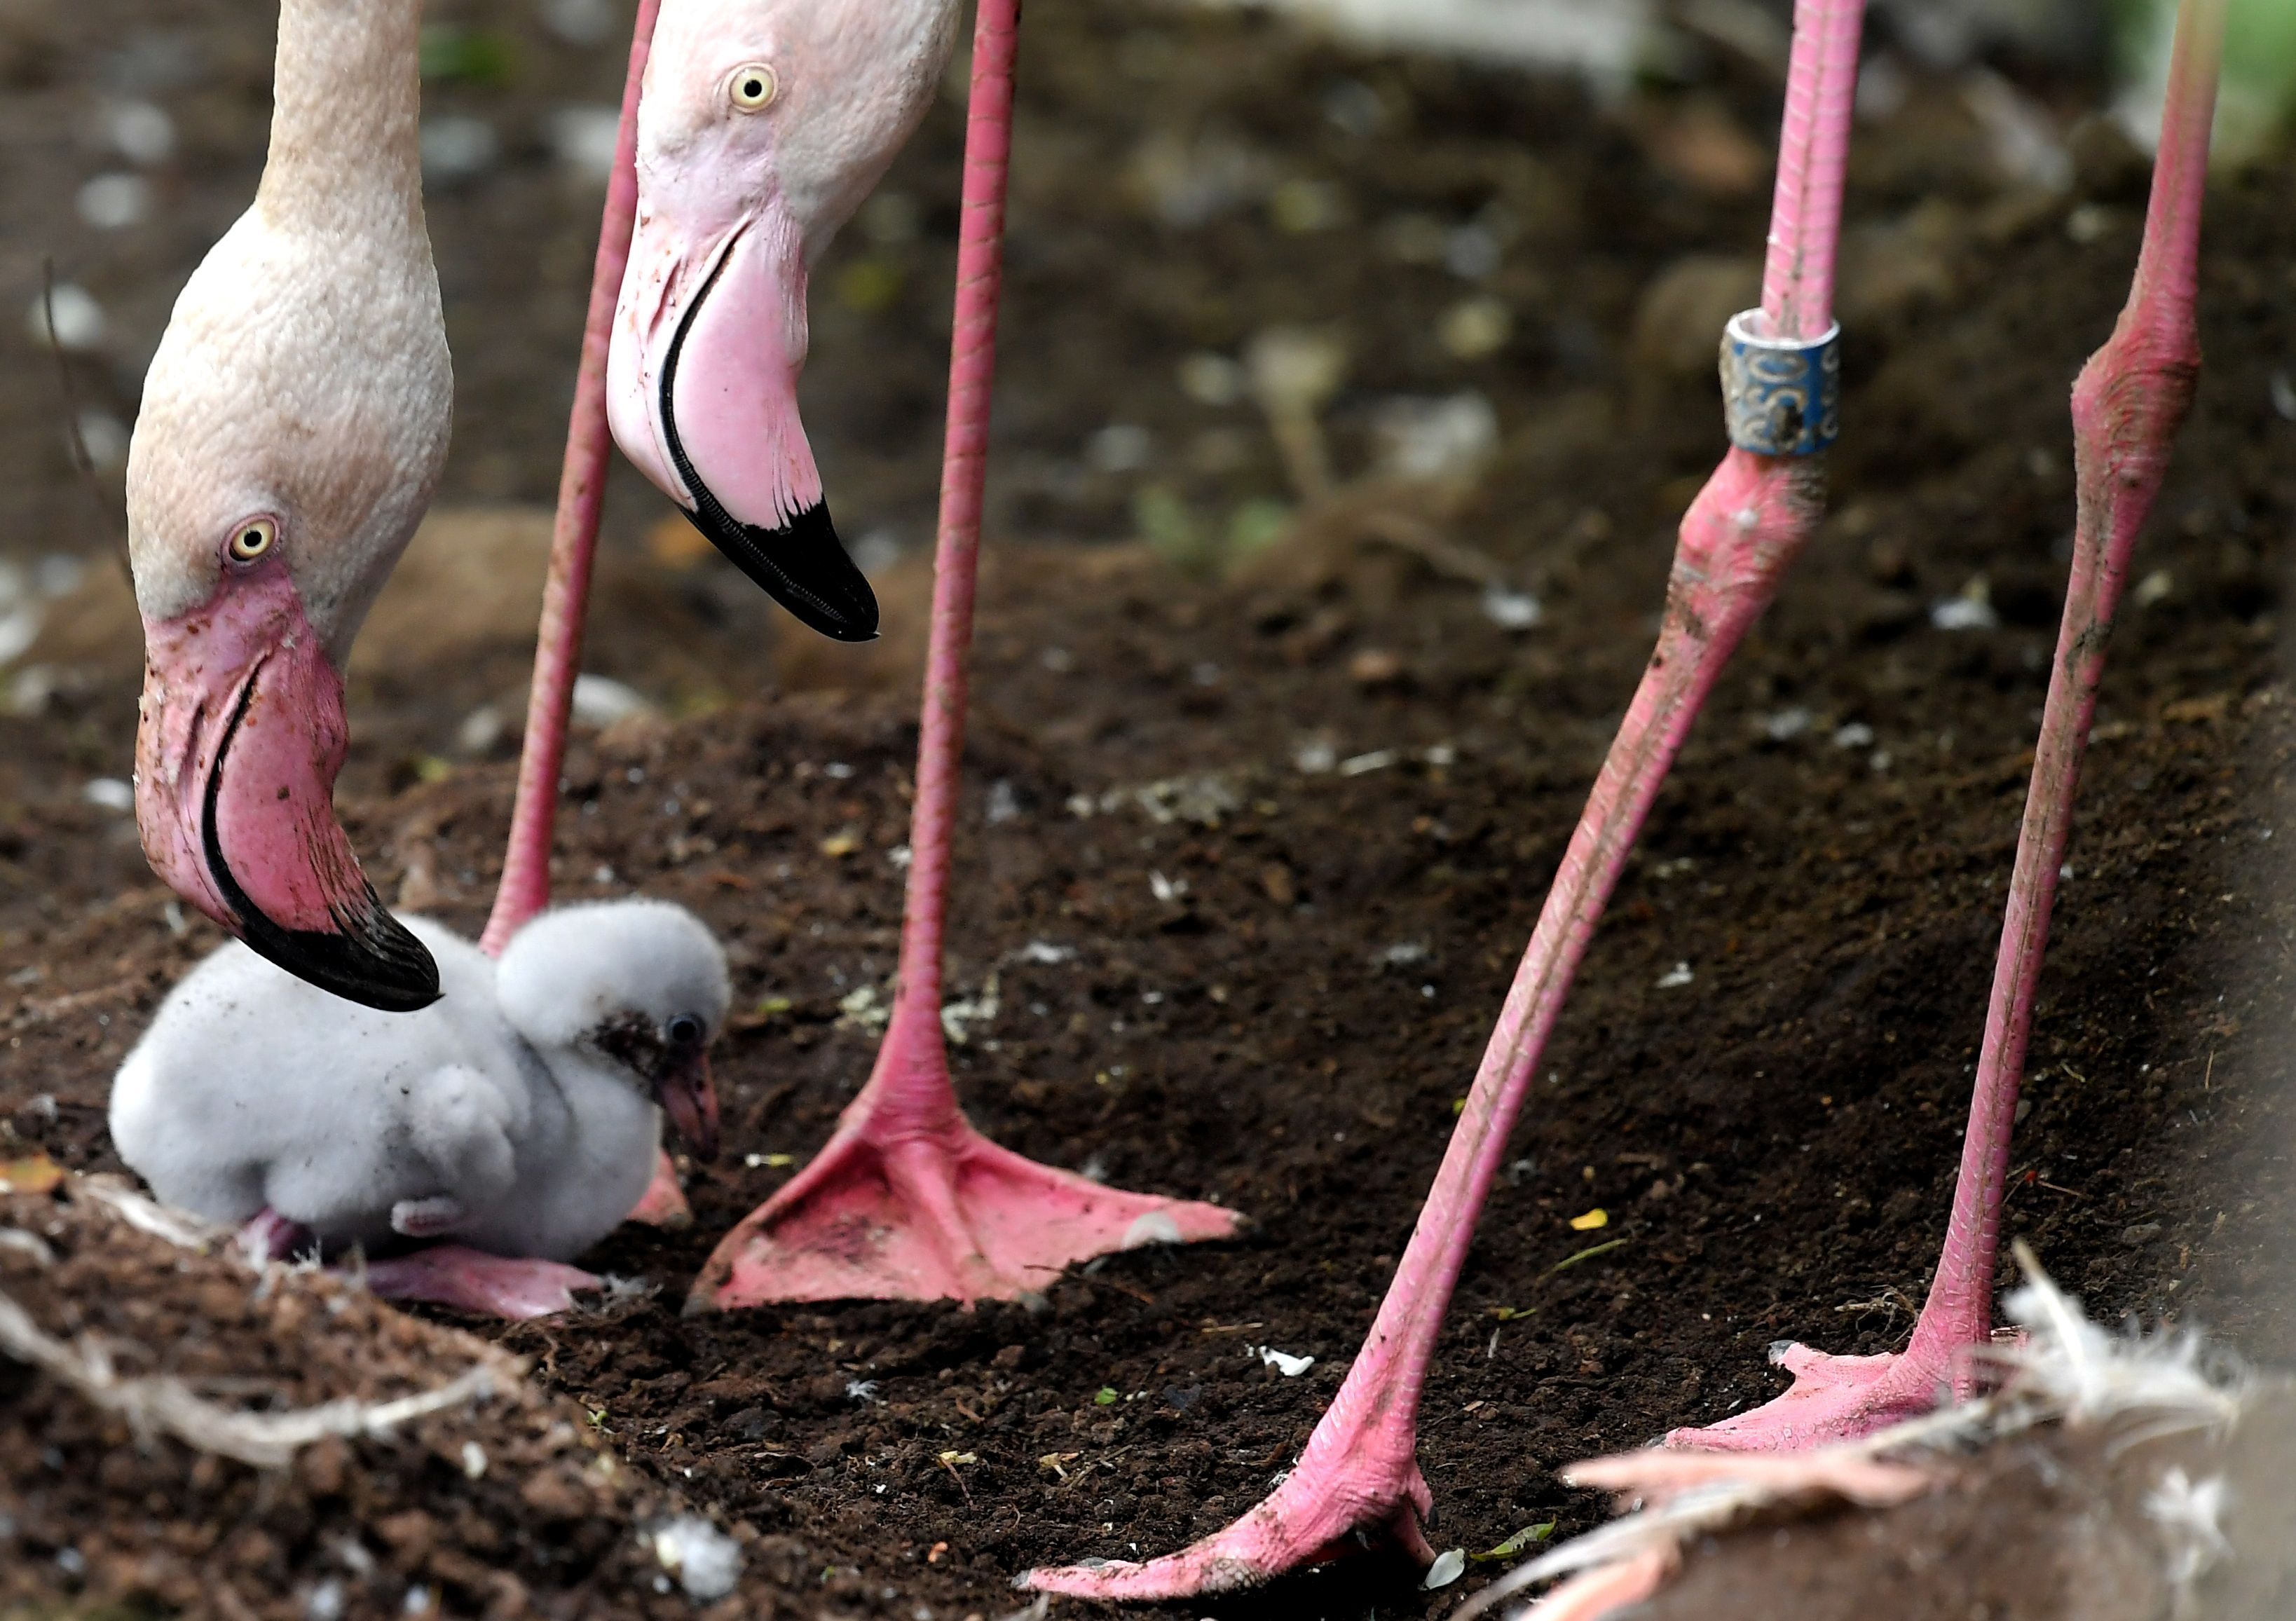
[
  {"x": 753, "y": 87},
  {"x": 252, "y": 540}
]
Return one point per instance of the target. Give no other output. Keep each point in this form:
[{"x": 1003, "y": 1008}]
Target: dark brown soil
[
  {"x": 502, "y": 1505},
  {"x": 1774, "y": 1141}
]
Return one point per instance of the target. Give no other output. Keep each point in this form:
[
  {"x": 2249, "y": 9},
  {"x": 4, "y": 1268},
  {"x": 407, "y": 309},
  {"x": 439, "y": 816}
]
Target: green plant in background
[
  {"x": 454, "y": 54},
  {"x": 2259, "y": 74}
]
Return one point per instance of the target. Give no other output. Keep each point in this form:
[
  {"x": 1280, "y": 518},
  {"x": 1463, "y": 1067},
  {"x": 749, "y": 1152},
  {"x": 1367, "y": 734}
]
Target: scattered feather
[{"x": 705, "y": 1560}]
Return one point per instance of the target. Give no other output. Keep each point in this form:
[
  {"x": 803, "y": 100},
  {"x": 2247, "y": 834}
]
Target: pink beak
[
  {"x": 690, "y": 1100},
  {"x": 701, "y": 391},
  {"x": 242, "y": 731}
]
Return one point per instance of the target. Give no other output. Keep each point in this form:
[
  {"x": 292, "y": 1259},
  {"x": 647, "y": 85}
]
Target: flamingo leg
[
  {"x": 2129, "y": 401},
  {"x": 907, "y": 1201},
  {"x": 525, "y": 887},
  {"x": 469, "y": 1280},
  {"x": 1359, "y": 1478}
]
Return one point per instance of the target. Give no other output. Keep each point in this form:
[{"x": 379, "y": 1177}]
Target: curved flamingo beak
[
  {"x": 242, "y": 734},
  {"x": 701, "y": 392},
  {"x": 688, "y": 1098}
]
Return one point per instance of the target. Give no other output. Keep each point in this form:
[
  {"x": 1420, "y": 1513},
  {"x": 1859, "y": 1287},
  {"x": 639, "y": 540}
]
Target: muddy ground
[{"x": 1367, "y": 780}]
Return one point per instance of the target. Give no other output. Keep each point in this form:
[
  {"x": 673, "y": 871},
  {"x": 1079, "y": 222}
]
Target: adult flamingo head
[
  {"x": 292, "y": 429},
  {"x": 762, "y": 125}
]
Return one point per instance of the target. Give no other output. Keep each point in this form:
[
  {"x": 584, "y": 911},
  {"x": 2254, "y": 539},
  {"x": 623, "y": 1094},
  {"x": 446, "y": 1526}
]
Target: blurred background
[{"x": 1450, "y": 214}]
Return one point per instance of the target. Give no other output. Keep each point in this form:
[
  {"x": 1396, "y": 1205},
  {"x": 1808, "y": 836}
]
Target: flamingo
[
  {"x": 293, "y": 425},
  {"x": 292, "y": 430},
  {"x": 759, "y": 125},
  {"x": 518, "y": 1115},
  {"x": 1357, "y": 1480},
  {"x": 2128, "y": 402}
]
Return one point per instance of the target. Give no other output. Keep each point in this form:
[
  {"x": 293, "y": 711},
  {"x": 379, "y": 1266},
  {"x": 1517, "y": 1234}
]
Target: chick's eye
[
  {"x": 253, "y": 540},
  {"x": 684, "y": 1031},
  {"x": 752, "y": 87}
]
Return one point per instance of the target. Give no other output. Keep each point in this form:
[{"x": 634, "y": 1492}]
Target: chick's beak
[
  {"x": 240, "y": 734},
  {"x": 701, "y": 391},
  {"x": 691, "y": 1101}
]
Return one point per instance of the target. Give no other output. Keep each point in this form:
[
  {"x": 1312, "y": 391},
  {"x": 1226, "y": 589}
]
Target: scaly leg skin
[
  {"x": 484, "y": 1285},
  {"x": 2131, "y": 399},
  {"x": 1359, "y": 1478},
  {"x": 907, "y": 1201}
]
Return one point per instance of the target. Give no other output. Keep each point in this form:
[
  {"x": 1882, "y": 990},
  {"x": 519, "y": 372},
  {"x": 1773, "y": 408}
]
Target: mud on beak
[
  {"x": 691, "y": 1101},
  {"x": 242, "y": 734},
  {"x": 702, "y": 395}
]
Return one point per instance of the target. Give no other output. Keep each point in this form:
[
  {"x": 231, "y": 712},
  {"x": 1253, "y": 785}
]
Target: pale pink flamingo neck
[
  {"x": 525, "y": 887},
  {"x": 345, "y": 112}
]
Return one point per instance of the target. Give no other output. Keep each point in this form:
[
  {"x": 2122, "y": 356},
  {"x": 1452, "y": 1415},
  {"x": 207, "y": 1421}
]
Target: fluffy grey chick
[{"x": 516, "y": 1114}]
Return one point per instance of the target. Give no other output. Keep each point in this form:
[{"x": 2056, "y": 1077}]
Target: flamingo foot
[
  {"x": 664, "y": 1204},
  {"x": 1832, "y": 1398},
  {"x": 485, "y": 1285},
  {"x": 267, "y": 1236},
  {"x": 946, "y": 1214},
  {"x": 1356, "y": 1486}
]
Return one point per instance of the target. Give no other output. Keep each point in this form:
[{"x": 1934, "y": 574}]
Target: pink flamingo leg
[
  {"x": 1359, "y": 1476},
  {"x": 907, "y": 1201},
  {"x": 525, "y": 887},
  {"x": 485, "y": 1285},
  {"x": 446, "y": 1274},
  {"x": 2127, "y": 404}
]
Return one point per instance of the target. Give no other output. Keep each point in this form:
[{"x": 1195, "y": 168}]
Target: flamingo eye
[
  {"x": 752, "y": 87},
  {"x": 252, "y": 540},
  {"x": 683, "y": 1031}
]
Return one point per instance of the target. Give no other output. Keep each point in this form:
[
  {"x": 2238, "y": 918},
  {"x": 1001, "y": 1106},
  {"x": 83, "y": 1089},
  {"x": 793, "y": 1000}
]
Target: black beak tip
[
  {"x": 368, "y": 957},
  {"x": 801, "y": 565},
  {"x": 373, "y": 961},
  {"x": 377, "y": 964}
]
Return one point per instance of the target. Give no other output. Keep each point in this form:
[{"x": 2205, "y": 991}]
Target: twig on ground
[
  {"x": 164, "y": 1405},
  {"x": 174, "y": 1227},
  {"x": 25, "y": 1243}
]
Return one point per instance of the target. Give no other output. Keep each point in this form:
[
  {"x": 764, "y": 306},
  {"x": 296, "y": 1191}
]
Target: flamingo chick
[
  {"x": 517, "y": 1114},
  {"x": 763, "y": 125},
  {"x": 292, "y": 429}
]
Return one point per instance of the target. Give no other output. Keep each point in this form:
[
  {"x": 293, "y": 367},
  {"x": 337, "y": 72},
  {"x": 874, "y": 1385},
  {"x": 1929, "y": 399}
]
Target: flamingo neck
[{"x": 346, "y": 137}]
